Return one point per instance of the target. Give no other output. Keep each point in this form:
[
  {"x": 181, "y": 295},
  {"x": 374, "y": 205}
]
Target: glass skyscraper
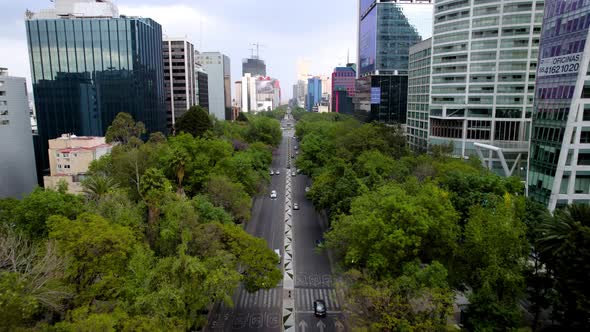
[
  {"x": 559, "y": 171},
  {"x": 385, "y": 36},
  {"x": 85, "y": 70}
]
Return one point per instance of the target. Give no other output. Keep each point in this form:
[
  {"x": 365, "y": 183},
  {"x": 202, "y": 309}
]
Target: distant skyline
[{"x": 287, "y": 29}]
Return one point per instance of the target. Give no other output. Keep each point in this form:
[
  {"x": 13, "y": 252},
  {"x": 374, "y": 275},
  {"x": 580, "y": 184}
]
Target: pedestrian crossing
[
  {"x": 265, "y": 298},
  {"x": 304, "y": 298}
]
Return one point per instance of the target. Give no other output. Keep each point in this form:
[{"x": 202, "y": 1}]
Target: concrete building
[
  {"x": 82, "y": 79},
  {"x": 301, "y": 93},
  {"x": 484, "y": 61},
  {"x": 69, "y": 159},
  {"x": 248, "y": 94},
  {"x": 254, "y": 66},
  {"x": 238, "y": 100},
  {"x": 18, "y": 175},
  {"x": 314, "y": 93},
  {"x": 419, "y": 95},
  {"x": 559, "y": 172},
  {"x": 202, "y": 84},
  {"x": 218, "y": 69},
  {"x": 179, "y": 77},
  {"x": 384, "y": 39},
  {"x": 343, "y": 81}
]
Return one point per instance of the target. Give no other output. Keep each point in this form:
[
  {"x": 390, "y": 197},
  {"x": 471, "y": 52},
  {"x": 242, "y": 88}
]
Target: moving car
[
  {"x": 272, "y": 172},
  {"x": 319, "y": 308},
  {"x": 295, "y": 206},
  {"x": 277, "y": 172},
  {"x": 293, "y": 173},
  {"x": 278, "y": 252},
  {"x": 273, "y": 194},
  {"x": 306, "y": 189}
]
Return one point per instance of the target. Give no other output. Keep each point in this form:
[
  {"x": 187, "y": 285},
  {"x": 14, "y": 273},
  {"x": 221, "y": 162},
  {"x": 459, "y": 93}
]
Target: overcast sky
[{"x": 321, "y": 31}]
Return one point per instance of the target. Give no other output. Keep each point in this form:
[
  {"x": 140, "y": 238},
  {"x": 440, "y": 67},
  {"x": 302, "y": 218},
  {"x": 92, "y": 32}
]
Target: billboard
[
  {"x": 375, "y": 95},
  {"x": 368, "y": 42},
  {"x": 265, "y": 86}
]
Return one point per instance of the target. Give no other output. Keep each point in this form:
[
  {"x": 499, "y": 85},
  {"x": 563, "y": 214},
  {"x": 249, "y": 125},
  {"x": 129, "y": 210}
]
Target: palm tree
[
  {"x": 96, "y": 186},
  {"x": 563, "y": 242}
]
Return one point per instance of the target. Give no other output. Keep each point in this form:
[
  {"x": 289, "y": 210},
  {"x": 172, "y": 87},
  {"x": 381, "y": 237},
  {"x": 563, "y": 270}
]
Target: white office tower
[
  {"x": 18, "y": 175},
  {"x": 484, "y": 60}
]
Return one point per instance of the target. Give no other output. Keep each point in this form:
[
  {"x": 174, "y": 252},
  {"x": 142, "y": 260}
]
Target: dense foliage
[
  {"x": 153, "y": 241},
  {"x": 411, "y": 232}
]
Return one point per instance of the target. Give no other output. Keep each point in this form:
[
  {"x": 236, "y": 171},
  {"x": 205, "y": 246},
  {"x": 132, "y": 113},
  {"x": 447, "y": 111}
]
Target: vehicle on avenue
[
  {"x": 319, "y": 308},
  {"x": 277, "y": 172},
  {"x": 295, "y": 147},
  {"x": 278, "y": 252},
  {"x": 272, "y": 172},
  {"x": 273, "y": 194},
  {"x": 293, "y": 173},
  {"x": 295, "y": 206},
  {"x": 306, "y": 189}
]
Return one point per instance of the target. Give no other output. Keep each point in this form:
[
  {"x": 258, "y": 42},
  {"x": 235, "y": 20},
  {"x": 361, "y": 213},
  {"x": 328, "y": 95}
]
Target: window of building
[
  {"x": 66, "y": 166},
  {"x": 4, "y": 122},
  {"x": 5, "y": 112},
  {"x": 582, "y": 184}
]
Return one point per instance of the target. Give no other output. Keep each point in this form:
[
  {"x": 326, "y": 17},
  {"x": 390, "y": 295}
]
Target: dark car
[{"x": 319, "y": 308}]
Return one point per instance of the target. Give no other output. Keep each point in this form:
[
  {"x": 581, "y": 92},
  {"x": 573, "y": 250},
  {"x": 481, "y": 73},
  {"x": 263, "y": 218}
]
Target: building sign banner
[
  {"x": 560, "y": 65},
  {"x": 375, "y": 96}
]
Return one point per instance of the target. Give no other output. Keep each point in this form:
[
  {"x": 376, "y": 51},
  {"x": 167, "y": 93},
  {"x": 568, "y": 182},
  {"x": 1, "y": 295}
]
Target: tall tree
[
  {"x": 124, "y": 129},
  {"x": 195, "y": 121},
  {"x": 564, "y": 243}
]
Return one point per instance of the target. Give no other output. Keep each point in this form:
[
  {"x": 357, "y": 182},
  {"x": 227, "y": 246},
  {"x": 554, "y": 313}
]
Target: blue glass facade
[
  {"x": 314, "y": 93},
  {"x": 87, "y": 70},
  {"x": 385, "y": 37},
  {"x": 559, "y": 171}
]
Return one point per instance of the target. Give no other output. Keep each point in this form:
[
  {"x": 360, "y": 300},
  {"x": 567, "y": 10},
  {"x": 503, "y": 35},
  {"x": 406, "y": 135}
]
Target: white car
[
  {"x": 306, "y": 189},
  {"x": 278, "y": 252},
  {"x": 277, "y": 172},
  {"x": 272, "y": 172},
  {"x": 293, "y": 173},
  {"x": 273, "y": 194},
  {"x": 295, "y": 206}
]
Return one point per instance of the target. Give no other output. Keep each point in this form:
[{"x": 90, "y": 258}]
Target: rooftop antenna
[
  {"x": 252, "y": 53},
  {"x": 258, "y": 46}
]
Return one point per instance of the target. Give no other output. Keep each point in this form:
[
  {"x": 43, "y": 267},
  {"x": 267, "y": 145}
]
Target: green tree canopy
[
  {"x": 195, "y": 121},
  {"x": 124, "y": 129}
]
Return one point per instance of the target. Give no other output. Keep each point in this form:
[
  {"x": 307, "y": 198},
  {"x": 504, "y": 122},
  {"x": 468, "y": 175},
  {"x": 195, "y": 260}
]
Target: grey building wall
[
  {"x": 217, "y": 67},
  {"x": 179, "y": 78},
  {"x": 17, "y": 165}
]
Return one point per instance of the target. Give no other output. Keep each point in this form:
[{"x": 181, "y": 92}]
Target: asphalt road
[
  {"x": 313, "y": 273},
  {"x": 260, "y": 311}
]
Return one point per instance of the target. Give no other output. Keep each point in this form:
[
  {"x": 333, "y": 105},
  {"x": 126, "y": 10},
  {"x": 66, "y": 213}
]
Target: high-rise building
[
  {"x": 259, "y": 93},
  {"x": 254, "y": 66},
  {"x": 343, "y": 81},
  {"x": 218, "y": 70},
  {"x": 179, "y": 77},
  {"x": 419, "y": 95},
  {"x": 301, "y": 93},
  {"x": 384, "y": 39},
  {"x": 314, "y": 93},
  {"x": 202, "y": 86},
  {"x": 559, "y": 171},
  {"x": 88, "y": 64},
  {"x": 484, "y": 61},
  {"x": 238, "y": 100},
  {"x": 17, "y": 165}
]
